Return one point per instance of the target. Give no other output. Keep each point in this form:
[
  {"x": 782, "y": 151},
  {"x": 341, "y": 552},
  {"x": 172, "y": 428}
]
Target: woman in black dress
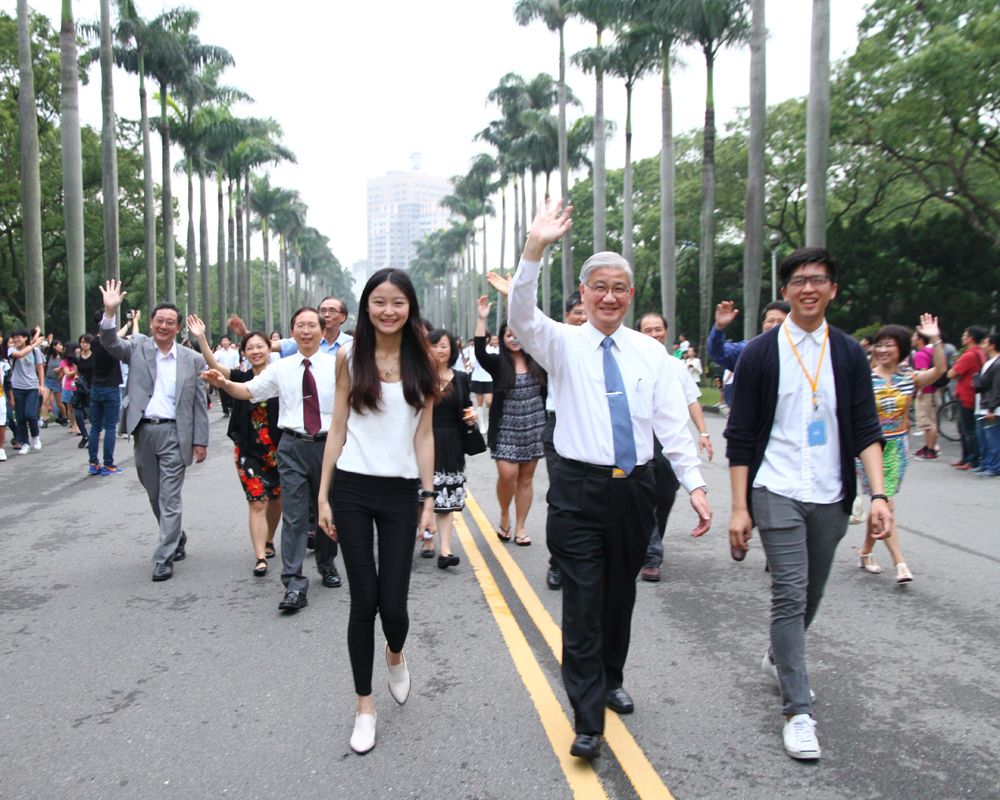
[
  {"x": 253, "y": 427},
  {"x": 517, "y": 419},
  {"x": 453, "y": 410}
]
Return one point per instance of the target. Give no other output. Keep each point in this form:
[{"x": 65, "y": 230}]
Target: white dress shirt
[
  {"x": 283, "y": 380},
  {"x": 791, "y": 467},
  {"x": 573, "y": 357},
  {"x": 163, "y": 403},
  {"x": 228, "y": 357}
]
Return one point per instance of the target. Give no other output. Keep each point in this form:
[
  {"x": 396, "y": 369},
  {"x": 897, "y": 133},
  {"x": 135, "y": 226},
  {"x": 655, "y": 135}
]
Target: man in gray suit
[{"x": 166, "y": 413}]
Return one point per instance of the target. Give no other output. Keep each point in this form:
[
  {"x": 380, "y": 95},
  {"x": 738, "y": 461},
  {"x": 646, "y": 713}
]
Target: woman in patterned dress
[
  {"x": 253, "y": 427},
  {"x": 452, "y": 410},
  {"x": 895, "y": 384},
  {"x": 517, "y": 419}
]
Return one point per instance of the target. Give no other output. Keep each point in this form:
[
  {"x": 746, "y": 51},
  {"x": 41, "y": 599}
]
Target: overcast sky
[{"x": 359, "y": 87}]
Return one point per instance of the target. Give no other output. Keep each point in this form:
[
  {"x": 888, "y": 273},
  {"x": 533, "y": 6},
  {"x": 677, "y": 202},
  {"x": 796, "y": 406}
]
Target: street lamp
[{"x": 773, "y": 241}]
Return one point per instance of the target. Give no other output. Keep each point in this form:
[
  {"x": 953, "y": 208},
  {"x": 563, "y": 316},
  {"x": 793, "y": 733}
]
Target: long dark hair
[
  {"x": 508, "y": 377},
  {"x": 418, "y": 374}
]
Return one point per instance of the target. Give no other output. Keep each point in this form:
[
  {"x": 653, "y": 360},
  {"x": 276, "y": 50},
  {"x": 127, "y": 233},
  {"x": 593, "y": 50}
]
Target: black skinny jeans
[{"x": 360, "y": 503}]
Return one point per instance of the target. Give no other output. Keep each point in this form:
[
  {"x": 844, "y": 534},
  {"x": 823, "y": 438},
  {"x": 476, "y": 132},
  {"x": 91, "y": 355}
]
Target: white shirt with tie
[
  {"x": 283, "y": 380},
  {"x": 573, "y": 357},
  {"x": 163, "y": 403}
]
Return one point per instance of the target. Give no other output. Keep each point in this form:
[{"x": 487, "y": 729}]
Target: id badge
[{"x": 816, "y": 433}]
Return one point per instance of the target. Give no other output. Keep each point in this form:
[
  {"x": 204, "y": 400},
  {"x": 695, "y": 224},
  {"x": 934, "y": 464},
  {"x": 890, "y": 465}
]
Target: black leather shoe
[
  {"x": 553, "y": 578},
  {"x": 293, "y": 601},
  {"x": 180, "y": 553},
  {"x": 619, "y": 701},
  {"x": 331, "y": 578},
  {"x": 311, "y": 542},
  {"x": 586, "y": 745},
  {"x": 448, "y": 561},
  {"x": 163, "y": 571}
]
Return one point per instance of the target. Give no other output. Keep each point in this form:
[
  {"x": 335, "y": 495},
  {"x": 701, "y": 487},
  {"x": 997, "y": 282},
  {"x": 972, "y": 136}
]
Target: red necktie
[{"x": 310, "y": 401}]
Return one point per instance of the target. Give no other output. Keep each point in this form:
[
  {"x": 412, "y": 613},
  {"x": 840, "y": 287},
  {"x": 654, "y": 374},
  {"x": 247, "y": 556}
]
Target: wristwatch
[{"x": 426, "y": 494}]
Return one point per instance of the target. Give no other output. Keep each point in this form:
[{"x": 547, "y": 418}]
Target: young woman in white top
[{"x": 379, "y": 461}]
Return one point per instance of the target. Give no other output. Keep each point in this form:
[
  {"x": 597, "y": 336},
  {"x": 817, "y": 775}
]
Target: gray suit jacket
[{"x": 139, "y": 353}]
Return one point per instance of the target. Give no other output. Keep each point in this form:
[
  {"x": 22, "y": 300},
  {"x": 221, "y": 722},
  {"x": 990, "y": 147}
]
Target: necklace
[{"x": 389, "y": 371}]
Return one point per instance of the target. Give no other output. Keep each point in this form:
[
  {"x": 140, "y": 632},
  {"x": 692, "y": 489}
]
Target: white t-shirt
[{"x": 380, "y": 442}]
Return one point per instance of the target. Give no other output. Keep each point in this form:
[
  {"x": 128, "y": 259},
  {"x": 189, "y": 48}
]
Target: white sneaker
[
  {"x": 399, "y": 679},
  {"x": 36, "y": 442},
  {"x": 769, "y": 668},
  {"x": 24, "y": 450},
  {"x": 3, "y": 454},
  {"x": 363, "y": 737},
  {"x": 800, "y": 739}
]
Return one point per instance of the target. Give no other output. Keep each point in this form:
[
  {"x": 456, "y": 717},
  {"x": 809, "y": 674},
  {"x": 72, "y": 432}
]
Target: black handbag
[{"x": 472, "y": 440}]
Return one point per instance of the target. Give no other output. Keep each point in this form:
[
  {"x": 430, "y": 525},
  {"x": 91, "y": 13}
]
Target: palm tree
[
  {"x": 174, "y": 53},
  {"x": 109, "y": 149},
  {"x": 266, "y": 202},
  {"x": 711, "y": 25},
  {"x": 289, "y": 221},
  {"x": 555, "y": 13},
  {"x": 72, "y": 167},
  {"x": 635, "y": 53},
  {"x": 31, "y": 189},
  {"x": 664, "y": 18},
  {"x": 602, "y": 14},
  {"x": 818, "y": 125},
  {"x": 753, "y": 244}
]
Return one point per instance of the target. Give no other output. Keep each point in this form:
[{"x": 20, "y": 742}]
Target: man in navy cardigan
[{"x": 803, "y": 411}]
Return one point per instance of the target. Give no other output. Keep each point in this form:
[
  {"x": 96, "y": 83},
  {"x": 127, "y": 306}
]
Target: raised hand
[
  {"x": 214, "y": 377},
  {"x": 498, "y": 282},
  {"x": 725, "y": 313},
  {"x": 929, "y": 327},
  {"x": 113, "y": 295},
  {"x": 237, "y": 326},
  {"x": 195, "y": 325},
  {"x": 552, "y": 221},
  {"x": 483, "y": 307}
]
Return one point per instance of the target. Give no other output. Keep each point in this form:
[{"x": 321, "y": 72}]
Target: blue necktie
[{"x": 621, "y": 419}]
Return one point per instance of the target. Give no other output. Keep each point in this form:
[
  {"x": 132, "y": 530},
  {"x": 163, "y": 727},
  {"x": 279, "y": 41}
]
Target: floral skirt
[
  {"x": 259, "y": 482},
  {"x": 894, "y": 462}
]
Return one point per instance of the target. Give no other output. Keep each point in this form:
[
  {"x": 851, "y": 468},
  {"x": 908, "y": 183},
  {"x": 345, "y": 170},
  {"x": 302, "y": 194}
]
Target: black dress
[{"x": 449, "y": 457}]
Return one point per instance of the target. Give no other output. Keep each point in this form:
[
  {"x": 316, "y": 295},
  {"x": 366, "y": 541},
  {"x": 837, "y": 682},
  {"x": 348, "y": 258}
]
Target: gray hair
[{"x": 604, "y": 260}]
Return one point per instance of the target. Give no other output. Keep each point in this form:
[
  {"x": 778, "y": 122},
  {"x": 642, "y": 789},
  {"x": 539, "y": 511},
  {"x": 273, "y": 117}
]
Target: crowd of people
[{"x": 355, "y": 444}]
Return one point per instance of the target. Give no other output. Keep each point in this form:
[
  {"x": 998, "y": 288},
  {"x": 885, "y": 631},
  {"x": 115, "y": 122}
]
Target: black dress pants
[{"x": 597, "y": 530}]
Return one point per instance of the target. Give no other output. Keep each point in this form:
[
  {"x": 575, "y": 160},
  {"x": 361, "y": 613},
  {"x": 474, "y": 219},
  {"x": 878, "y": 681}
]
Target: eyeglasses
[
  {"x": 618, "y": 289},
  {"x": 814, "y": 280}
]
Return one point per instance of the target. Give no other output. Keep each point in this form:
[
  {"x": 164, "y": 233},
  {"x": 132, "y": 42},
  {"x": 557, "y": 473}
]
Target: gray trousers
[
  {"x": 160, "y": 468},
  {"x": 299, "y": 465},
  {"x": 800, "y": 540}
]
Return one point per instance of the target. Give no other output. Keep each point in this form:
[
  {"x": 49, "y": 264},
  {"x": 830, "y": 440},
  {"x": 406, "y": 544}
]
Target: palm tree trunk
[
  {"x": 503, "y": 228},
  {"x": 203, "y": 246},
  {"x": 298, "y": 278},
  {"x": 627, "y": 204},
  {"x": 190, "y": 257},
  {"x": 148, "y": 193},
  {"x": 668, "y": 222},
  {"x": 485, "y": 268},
  {"x": 518, "y": 243},
  {"x": 241, "y": 266},
  {"x": 706, "y": 252},
  {"x": 283, "y": 283},
  {"x": 246, "y": 252},
  {"x": 753, "y": 245},
  {"x": 818, "y": 125},
  {"x": 600, "y": 141},
  {"x": 109, "y": 150},
  {"x": 567, "y": 240},
  {"x": 525, "y": 225},
  {"x": 234, "y": 276},
  {"x": 169, "y": 269},
  {"x": 220, "y": 258},
  {"x": 268, "y": 303},
  {"x": 72, "y": 167}
]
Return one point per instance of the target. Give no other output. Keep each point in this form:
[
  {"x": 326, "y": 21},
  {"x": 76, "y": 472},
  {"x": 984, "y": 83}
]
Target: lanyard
[{"x": 813, "y": 380}]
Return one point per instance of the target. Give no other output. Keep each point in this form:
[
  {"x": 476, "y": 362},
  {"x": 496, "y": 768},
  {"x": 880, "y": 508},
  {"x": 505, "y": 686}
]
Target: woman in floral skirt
[{"x": 253, "y": 427}]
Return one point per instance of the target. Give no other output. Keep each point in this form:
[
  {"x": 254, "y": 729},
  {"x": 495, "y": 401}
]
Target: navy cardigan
[{"x": 755, "y": 400}]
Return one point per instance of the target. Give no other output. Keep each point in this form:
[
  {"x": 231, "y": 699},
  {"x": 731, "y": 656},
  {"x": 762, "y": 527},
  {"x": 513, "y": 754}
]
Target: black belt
[
  {"x": 605, "y": 472},
  {"x": 305, "y": 437},
  {"x": 155, "y": 421}
]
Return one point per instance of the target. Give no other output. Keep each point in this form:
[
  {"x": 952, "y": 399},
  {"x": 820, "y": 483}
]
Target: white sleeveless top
[{"x": 380, "y": 442}]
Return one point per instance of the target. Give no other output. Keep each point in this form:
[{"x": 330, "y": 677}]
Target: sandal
[
  {"x": 866, "y": 562},
  {"x": 260, "y": 568},
  {"x": 522, "y": 541},
  {"x": 503, "y": 534},
  {"x": 903, "y": 574},
  {"x": 269, "y": 550}
]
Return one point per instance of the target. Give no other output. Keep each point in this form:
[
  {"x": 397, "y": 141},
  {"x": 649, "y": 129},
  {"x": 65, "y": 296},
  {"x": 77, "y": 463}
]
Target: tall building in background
[{"x": 403, "y": 207}]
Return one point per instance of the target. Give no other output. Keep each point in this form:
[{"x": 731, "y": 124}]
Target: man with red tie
[{"x": 304, "y": 384}]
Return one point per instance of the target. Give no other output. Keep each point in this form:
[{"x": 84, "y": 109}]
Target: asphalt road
[{"x": 113, "y": 686}]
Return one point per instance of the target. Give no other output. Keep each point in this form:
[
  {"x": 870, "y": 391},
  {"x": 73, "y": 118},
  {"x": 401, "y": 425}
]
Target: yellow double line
[{"x": 582, "y": 779}]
